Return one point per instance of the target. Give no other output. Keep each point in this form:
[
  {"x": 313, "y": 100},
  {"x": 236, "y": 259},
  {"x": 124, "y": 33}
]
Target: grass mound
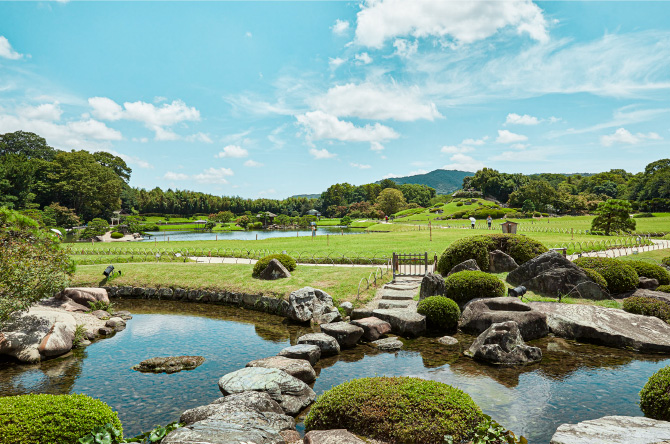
[
  {"x": 286, "y": 260},
  {"x": 440, "y": 312},
  {"x": 647, "y": 307},
  {"x": 619, "y": 276},
  {"x": 464, "y": 286}
]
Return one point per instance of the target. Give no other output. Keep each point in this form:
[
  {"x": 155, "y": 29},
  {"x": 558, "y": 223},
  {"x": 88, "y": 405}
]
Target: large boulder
[
  {"x": 480, "y": 314},
  {"x": 432, "y": 284},
  {"x": 614, "y": 430},
  {"x": 644, "y": 293},
  {"x": 36, "y": 334},
  {"x": 311, "y": 304},
  {"x": 328, "y": 344},
  {"x": 469, "y": 265},
  {"x": 347, "y": 335},
  {"x": 308, "y": 352},
  {"x": 502, "y": 344},
  {"x": 607, "y": 326},
  {"x": 647, "y": 283},
  {"x": 274, "y": 270},
  {"x": 338, "y": 436},
  {"x": 216, "y": 431},
  {"x": 403, "y": 322},
  {"x": 501, "y": 262},
  {"x": 373, "y": 328},
  {"x": 298, "y": 368},
  {"x": 292, "y": 394},
  {"x": 551, "y": 274},
  {"x": 242, "y": 409},
  {"x": 171, "y": 364},
  {"x": 85, "y": 295}
]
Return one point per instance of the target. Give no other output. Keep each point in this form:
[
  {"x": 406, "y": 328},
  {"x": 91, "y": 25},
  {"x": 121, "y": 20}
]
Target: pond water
[
  {"x": 161, "y": 236},
  {"x": 574, "y": 382}
]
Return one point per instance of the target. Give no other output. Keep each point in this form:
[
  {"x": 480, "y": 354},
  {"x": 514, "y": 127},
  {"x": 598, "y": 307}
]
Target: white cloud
[
  {"x": 233, "y": 151},
  {"x": 46, "y": 111},
  {"x": 623, "y": 136},
  {"x": 95, "y": 129},
  {"x": 376, "y": 102},
  {"x": 463, "y": 163},
  {"x": 515, "y": 119},
  {"x": 275, "y": 138},
  {"x": 105, "y": 108},
  {"x": 340, "y": 27},
  {"x": 132, "y": 160},
  {"x": 175, "y": 176},
  {"x": 453, "y": 149},
  {"x": 405, "y": 48},
  {"x": 319, "y": 125},
  {"x": 411, "y": 173},
  {"x": 376, "y": 146},
  {"x": 505, "y": 136},
  {"x": 463, "y": 21},
  {"x": 252, "y": 164},
  {"x": 360, "y": 166},
  {"x": 199, "y": 137},
  {"x": 248, "y": 35},
  {"x": 336, "y": 62},
  {"x": 475, "y": 142},
  {"x": 321, "y": 154},
  {"x": 214, "y": 175},
  {"x": 363, "y": 58},
  {"x": 520, "y": 146},
  {"x": 6, "y": 50}
]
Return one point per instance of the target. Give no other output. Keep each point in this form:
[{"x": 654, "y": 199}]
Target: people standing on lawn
[
  {"x": 472, "y": 222},
  {"x": 489, "y": 219}
]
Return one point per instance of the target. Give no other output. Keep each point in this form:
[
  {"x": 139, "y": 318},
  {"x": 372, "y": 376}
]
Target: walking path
[
  {"x": 618, "y": 252},
  {"x": 397, "y": 294}
]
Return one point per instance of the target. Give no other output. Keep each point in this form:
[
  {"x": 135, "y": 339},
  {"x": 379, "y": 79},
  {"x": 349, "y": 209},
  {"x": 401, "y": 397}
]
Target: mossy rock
[
  {"x": 651, "y": 271},
  {"x": 664, "y": 288},
  {"x": 464, "y": 286},
  {"x": 397, "y": 410},
  {"x": 52, "y": 419},
  {"x": 655, "y": 396},
  {"x": 478, "y": 247},
  {"x": 648, "y": 307},
  {"x": 286, "y": 260},
  {"x": 441, "y": 313},
  {"x": 595, "y": 276},
  {"x": 619, "y": 276}
]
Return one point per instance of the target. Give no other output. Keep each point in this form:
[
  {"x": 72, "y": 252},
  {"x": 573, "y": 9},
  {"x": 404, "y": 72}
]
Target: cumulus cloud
[
  {"x": 319, "y": 125},
  {"x": 466, "y": 22},
  {"x": 214, "y": 175},
  {"x": 505, "y": 136},
  {"x": 340, "y": 27},
  {"x": 405, "y": 48},
  {"x": 463, "y": 163},
  {"x": 376, "y": 146},
  {"x": 321, "y": 154},
  {"x": 234, "y": 151},
  {"x": 360, "y": 166},
  {"x": 411, "y": 173},
  {"x": 363, "y": 58},
  {"x": 465, "y": 146},
  {"x": 199, "y": 137},
  {"x": 623, "y": 136},
  {"x": 336, "y": 62},
  {"x": 515, "y": 119},
  {"x": 175, "y": 176},
  {"x": 46, "y": 111},
  {"x": 252, "y": 164},
  {"x": 95, "y": 130},
  {"x": 6, "y": 50},
  {"x": 376, "y": 102}
]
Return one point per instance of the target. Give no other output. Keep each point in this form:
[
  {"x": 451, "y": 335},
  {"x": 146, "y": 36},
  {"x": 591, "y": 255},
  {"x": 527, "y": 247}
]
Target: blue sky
[{"x": 271, "y": 99}]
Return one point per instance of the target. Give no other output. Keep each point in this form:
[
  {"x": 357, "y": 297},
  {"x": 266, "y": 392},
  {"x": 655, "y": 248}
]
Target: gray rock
[
  {"x": 551, "y": 274},
  {"x": 480, "y": 314},
  {"x": 84, "y": 295},
  {"x": 105, "y": 331},
  {"x": 502, "y": 344},
  {"x": 298, "y": 368},
  {"x": 347, "y": 335},
  {"x": 373, "y": 328},
  {"x": 403, "y": 322},
  {"x": 327, "y": 318},
  {"x": 647, "y": 283},
  {"x": 339, "y": 436},
  {"x": 101, "y": 314},
  {"x": 607, "y": 326},
  {"x": 614, "y": 430},
  {"x": 387, "y": 344},
  {"x": 171, "y": 364},
  {"x": 259, "y": 401},
  {"x": 644, "y": 293},
  {"x": 447, "y": 340},
  {"x": 292, "y": 394},
  {"x": 123, "y": 314},
  {"x": 469, "y": 265},
  {"x": 432, "y": 284},
  {"x": 116, "y": 323},
  {"x": 501, "y": 262},
  {"x": 309, "y": 304},
  {"x": 308, "y": 352},
  {"x": 390, "y": 305},
  {"x": 360, "y": 313},
  {"x": 328, "y": 344},
  {"x": 274, "y": 270},
  {"x": 214, "y": 431},
  {"x": 348, "y": 307}
]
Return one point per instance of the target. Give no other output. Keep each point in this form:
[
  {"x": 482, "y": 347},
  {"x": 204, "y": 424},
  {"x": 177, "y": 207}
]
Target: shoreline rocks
[
  {"x": 347, "y": 335},
  {"x": 501, "y": 344},
  {"x": 171, "y": 364},
  {"x": 614, "y": 430},
  {"x": 298, "y": 368},
  {"x": 480, "y": 314}
]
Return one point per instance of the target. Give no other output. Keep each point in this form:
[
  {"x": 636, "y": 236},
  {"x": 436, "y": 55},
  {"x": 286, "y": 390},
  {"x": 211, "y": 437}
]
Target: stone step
[
  {"x": 401, "y": 287},
  {"x": 398, "y": 296},
  {"x": 393, "y": 304}
]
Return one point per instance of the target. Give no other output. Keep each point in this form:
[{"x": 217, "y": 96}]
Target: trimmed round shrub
[
  {"x": 42, "y": 419},
  {"x": 396, "y": 410},
  {"x": 440, "y": 312},
  {"x": 521, "y": 248},
  {"x": 286, "y": 260},
  {"x": 651, "y": 271},
  {"x": 647, "y": 307},
  {"x": 664, "y": 288},
  {"x": 666, "y": 260},
  {"x": 116, "y": 235},
  {"x": 595, "y": 276},
  {"x": 464, "y": 286},
  {"x": 655, "y": 396},
  {"x": 620, "y": 277}
]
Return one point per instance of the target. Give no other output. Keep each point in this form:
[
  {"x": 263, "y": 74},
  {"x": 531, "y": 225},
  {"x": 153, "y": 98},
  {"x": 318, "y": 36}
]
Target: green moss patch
[{"x": 655, "y": 396}]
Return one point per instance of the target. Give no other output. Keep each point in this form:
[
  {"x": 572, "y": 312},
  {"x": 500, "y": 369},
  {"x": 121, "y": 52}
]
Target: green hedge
[
  {"x": 619, "y": 276},
  {"x": 651, "y": 271},
  {"x": 466, "y": 285},
  {"x": 116, "y": 235},
  {"x": 595, "y": 276},
  {"x": 51, "y": 419},
  {"x": 655, "y": 396},
  {"x": 647, "y": 307},
  {"x": 477, "y": 247},
  {"x": 441, "y": 313},
  {"x": 397, "y": 410},
  {"x": 666, "y": 260},
  {"x": 286, "y": 260},
  {"x": 664, "y": 288}
]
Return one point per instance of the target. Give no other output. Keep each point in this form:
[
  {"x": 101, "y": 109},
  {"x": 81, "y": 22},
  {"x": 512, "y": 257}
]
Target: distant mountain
[
  {"x": 444, "y": 181},
  {"x": 308, "y": 196}
]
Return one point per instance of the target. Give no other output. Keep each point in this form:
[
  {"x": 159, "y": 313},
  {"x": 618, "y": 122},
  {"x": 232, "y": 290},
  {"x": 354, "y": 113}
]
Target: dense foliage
[
  {"x": 595, "y": 276},
  {"x": 613, "y": 216},
  {"x": 109, "y": 434},
  {"x": 655, "y": 396},
  {"x": 464, "y": 286},
  {"x": 286, "y": 260},
  {"x": 441, "y": 313},
  {"x": 52, "y": 419},
  {"x": 664, "y": 288},
  {"x": 651, "y": 271},
  {"x": 620, "y": 277},
  {"x": 396, "y": 410},
  {"x": 647, "y": 307}
]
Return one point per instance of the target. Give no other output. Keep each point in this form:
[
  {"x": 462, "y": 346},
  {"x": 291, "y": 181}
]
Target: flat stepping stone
[
  {"x": 298, "y": 368},
  {"x": 398, "y": 296},
  {"x": 401, "y": 287},
  {"x": 308, "y": 352},
  {"x": 393, "y": 304},
  {"x": 373, "y": 328},
  {"x": 403, "y": 322},
  {"x": 347, "y": 335},
  {"x": 387, "y": 344},
  {"x": 328, "y": 344},
  {"x": 172, "y": 364},
  {"x": 613, "y": 430}
]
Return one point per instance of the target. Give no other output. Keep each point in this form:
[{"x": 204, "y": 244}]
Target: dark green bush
[
  {"x": 595, "y": 276},
  {"x": 647, "y": 307},
  {"x": 52, "y": 419},
  {"x": 664, "y": 288},
  {"x": 655, "y": 396},
  {"x": 651, "y": 271},
  {"x": 397, "y": 410},
  {"x": 619, "y": 276},
  {"x": 666, "y": 260},
  {"x": 459, "y": 204},
  {"x": 440, "y": 312},
  {"x": 643, "y": 215},
  {"x": 464, "y": 286},
  {"x": 286, "y": 260},
  {"x": 521, "y": 248},
  {"x": 116, "y": 235}
]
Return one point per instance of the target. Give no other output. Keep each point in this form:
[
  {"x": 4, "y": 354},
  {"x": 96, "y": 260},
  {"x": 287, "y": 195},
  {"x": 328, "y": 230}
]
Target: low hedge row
[
  {"x": 619, "y": 276},
  {"x": 651, "y": 271},
  {"x": 648, "y": 307},
  {"x": 286, "y": 260}
]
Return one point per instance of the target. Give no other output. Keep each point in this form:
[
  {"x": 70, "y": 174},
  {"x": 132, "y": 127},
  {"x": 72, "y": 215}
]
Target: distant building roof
[
  {"x": 313, "y": 212},
  {"x": 269, "y": 214}
]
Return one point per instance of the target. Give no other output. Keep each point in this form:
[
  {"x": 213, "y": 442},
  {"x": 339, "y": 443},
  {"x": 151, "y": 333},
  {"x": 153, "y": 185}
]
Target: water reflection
[{"x": 162, "y": 236}]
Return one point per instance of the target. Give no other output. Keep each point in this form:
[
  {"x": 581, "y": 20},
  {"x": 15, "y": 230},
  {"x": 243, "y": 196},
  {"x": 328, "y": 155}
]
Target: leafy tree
[
  {"x": 96, "y": 227},
  {"x": 346, "y": 221},
  {"x": 391, "y": 200},
  {"x": 612, "y": 216},
  {"x": 540, "y": 192},
  {"x": 243, "y": 221},
  {"x": 528, "y": 206},
  {"x": 26, "y": 144},
  {"x": 283, "y": 219},
  {"x": 209, "y": 226},
  {"x": 418, "y": 194},
  {"x": 32, "y": 264},
  {"x": 117, "y": 164},
  {"x": 387, "y": 183},
  {"x": 62, "y": 216},
  {"x": 222, "y": 216}
]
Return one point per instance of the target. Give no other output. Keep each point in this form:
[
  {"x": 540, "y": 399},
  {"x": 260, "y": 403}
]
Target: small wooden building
[{"x": 509, "y": 227}]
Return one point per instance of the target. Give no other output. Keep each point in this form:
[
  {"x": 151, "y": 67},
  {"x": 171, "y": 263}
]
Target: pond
[
  {"x": 161, "y": 236},
  {"x": 574, "y": 382}
]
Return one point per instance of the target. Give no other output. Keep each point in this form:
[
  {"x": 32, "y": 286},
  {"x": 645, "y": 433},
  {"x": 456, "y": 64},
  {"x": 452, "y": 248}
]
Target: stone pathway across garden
[
  {"x": 617, "y": 252},
  {"x": 397, "y": 294}
]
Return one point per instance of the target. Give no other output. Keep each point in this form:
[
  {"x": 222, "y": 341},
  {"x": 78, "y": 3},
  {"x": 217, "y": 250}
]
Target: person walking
[
  {"x": 472, "y": 222},
  {"x": 489, "y": 219}
]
